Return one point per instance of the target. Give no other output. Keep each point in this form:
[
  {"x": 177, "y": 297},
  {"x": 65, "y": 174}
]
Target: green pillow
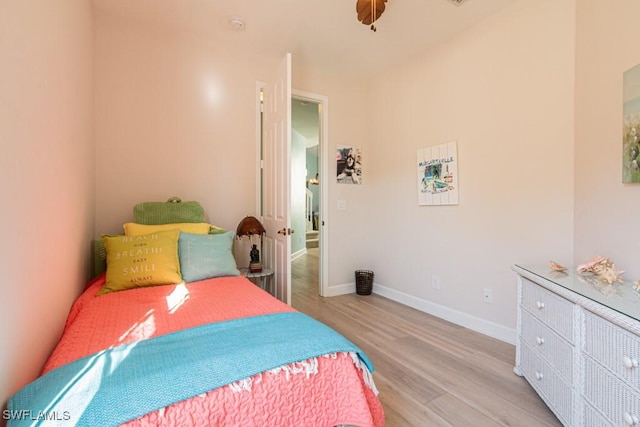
[
  {"x": 136, "y": 261},
  {"x": 172, "y": 211},
  {"x": 203, "y": 256}
]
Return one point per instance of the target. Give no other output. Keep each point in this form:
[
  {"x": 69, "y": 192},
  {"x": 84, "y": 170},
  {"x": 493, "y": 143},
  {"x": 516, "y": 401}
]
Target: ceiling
[{"x": 321, "y": 34}]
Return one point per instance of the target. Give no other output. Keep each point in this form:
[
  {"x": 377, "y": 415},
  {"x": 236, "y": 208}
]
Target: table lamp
[{"x": 248, "y": 227}]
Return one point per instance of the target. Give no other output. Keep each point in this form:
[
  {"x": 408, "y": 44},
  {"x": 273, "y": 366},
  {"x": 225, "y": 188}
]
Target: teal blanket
[{"x": 123, "y": 383}]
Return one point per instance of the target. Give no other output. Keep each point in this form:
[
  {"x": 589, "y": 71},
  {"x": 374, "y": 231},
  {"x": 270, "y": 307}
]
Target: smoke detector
[
  {"x": 457, "y": 2},
  {"x": 236, "y": 23}
]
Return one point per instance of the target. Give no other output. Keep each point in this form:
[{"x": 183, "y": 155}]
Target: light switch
[{"x": 342, "y": 205}]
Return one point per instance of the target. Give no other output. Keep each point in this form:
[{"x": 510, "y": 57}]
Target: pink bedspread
[{"x": 294, "y": 396}]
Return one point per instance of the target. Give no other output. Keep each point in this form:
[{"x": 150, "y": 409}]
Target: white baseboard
[
  {"x": 298, "y": 254},
  {"x": 469, "y": 321},
  {"x": 334, "y": 291}
]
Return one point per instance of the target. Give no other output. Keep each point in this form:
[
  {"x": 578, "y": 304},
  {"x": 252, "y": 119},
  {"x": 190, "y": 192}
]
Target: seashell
[
  {"x": 602, "y": 267},
  {"x": 556, "y": 266},
  {"x": 611, "y": 275},
  {"x": 594, "y": 263}
]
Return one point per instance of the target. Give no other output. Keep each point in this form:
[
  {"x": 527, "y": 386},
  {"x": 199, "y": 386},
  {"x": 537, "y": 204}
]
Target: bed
[{"x": 211, "y": 348}]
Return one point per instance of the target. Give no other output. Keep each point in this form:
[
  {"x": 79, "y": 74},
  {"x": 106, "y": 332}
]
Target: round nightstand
[{"x": 263, "y": 275}]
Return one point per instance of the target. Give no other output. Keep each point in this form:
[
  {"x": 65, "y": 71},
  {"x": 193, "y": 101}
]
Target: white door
[{"x": 276, "y": 174}]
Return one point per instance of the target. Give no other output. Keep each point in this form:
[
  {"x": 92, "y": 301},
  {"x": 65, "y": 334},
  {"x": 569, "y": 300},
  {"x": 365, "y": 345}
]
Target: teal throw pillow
[{"x": 203, "y": 256}]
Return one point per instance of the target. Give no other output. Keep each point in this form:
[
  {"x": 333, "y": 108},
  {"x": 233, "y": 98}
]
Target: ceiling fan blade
[{"x": 363, "y": 8}]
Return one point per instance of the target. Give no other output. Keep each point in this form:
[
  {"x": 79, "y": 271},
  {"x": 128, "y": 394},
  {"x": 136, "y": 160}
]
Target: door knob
[{"x": 283, "y": 231}]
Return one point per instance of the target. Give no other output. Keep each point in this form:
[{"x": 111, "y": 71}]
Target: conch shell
[
  {"x": 556, "y": 266},
  {"x": 602, "y": 267}
]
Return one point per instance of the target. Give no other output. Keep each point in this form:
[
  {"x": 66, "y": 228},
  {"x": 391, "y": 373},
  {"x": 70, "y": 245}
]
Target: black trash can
[{"x": 364, "y": 282}]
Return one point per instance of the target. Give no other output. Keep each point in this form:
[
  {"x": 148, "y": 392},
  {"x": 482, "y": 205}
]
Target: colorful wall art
[
  {"x": 438, "y": 175},
  {"x": 631, "y": 126}
]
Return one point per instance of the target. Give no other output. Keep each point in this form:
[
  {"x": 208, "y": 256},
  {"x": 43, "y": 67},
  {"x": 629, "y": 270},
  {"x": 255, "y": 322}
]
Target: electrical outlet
[
  {"x": 435, "y": 282},
  {"x": 487, "y": 295}
]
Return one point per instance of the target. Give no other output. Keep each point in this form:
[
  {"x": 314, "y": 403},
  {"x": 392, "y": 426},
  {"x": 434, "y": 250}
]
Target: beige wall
[
  {"x": 348, "y": 115},
  {"x": 175, "y": 115},
  {"x": 504, "y": 91},
  {"x": 46, "y": 171},
  {"x": 606, "y": 210}
]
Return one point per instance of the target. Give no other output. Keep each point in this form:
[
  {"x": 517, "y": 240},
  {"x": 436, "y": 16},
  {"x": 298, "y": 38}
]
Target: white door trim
[
  {"x": 323, "y": 159},
  {"x": 259, "y": 87}
]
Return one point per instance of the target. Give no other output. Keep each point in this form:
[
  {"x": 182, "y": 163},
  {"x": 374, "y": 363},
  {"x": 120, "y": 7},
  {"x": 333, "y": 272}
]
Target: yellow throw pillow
[
  {"x": 137, "y": 261},
  {"x": 135, "y": 229}
]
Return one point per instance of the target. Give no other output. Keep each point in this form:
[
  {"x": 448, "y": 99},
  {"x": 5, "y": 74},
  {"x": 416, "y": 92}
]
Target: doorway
[
  {"x": 319, "y": 214},
  {"x": 305, "y": 196},
  {"x": 322, "y": 219}
]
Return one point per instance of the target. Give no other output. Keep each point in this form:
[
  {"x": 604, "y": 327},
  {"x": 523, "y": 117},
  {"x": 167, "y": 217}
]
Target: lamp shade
[{"x": 249, "y": 226}]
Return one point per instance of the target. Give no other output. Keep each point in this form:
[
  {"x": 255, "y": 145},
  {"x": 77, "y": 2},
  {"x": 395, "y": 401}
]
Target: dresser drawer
[
  {"x": 592, "y": 418},
  {"x": 553, "y": 348},
  {"x": 613, "y": 347},
  {"x": 553, "y": 389},
  {"x": 553, "y": 310},
  {"x": 613, "y": 398}
]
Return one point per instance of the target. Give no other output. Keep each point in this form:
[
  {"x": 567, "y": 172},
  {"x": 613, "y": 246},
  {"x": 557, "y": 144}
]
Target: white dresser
[{"x": 578, "y": 346}]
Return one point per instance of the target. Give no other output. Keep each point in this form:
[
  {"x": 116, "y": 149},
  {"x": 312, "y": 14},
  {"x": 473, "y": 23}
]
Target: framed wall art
[
  {"x": 438, "y": 175},
  {"x": 631, "y": 126},
  {"x": 349, "y": 164}
]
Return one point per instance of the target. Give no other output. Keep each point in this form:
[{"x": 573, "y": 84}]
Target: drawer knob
[
  {"x": 540, "y": 340},
  {"x": 540, "y": 305},
  {"x": 539, "y": 375},
  {"x": 630, "y": 420},
  {"x": 629, "y": 362}
]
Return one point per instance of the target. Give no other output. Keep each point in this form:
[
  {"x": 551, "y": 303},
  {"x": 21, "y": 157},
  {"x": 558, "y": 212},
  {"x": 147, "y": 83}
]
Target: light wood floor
[{"x": 429, "y": 372}]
